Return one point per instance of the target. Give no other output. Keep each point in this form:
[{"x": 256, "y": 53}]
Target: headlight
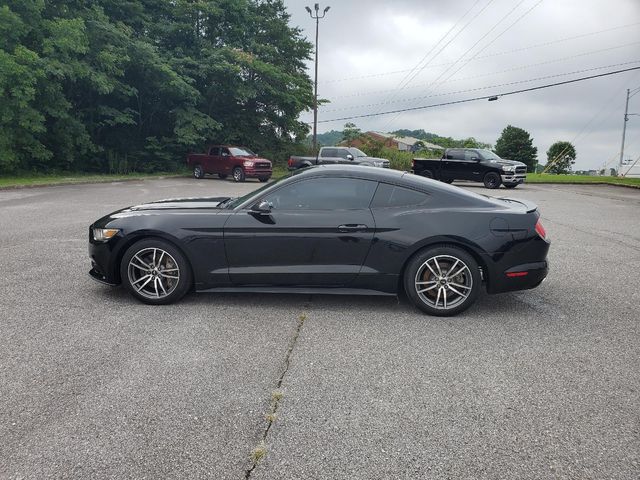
[
  {"x": 509, "y": 168},
  {"x": 247, "y": 163},
  {"x": 104, "y": 234}
]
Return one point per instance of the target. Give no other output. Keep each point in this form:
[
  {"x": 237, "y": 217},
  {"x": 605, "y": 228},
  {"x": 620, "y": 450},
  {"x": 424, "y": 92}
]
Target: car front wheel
[
  {"x": 492, "y": 180},
  {"x": 155, "y": 272},
  {"x": 238, "y": 174},
  {"x": 442, "y": 281}
]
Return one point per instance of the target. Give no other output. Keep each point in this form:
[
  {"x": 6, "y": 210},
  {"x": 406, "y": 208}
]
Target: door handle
[{"x": 351, "y": 227}]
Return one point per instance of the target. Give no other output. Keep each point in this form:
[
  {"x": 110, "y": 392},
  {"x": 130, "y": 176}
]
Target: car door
[
  {"x": 471, "y": 166},
  {"x": 449, "y": 165},
  {"x": 225, "y": 161},
  {"x": 211, "y": 160},
  {"x": 318, "y": 232}
]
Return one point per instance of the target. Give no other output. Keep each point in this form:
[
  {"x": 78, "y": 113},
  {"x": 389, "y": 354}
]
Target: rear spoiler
[{"x": 528, "y": 206}]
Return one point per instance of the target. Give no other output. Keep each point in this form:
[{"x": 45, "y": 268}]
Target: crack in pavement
[{"x": 276, "y": 396}]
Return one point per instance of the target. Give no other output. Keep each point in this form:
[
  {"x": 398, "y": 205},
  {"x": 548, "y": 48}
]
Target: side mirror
[
  {"x": 262, "y": 207},
  {"x": 349, "y": 156},
  {"x": 224, "y": 154}
]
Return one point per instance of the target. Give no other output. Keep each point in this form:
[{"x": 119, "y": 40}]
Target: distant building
[{"x": 404, "y": 144}]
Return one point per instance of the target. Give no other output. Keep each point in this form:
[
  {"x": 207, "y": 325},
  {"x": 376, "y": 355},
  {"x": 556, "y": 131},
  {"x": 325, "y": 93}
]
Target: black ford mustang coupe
[{"x": 327, "y": 229}]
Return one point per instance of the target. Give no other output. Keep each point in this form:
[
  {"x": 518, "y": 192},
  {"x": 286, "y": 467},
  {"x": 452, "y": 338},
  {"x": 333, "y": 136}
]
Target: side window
[
  {"x": 471, "y": 155},
  {"x": 455, "y": 154},
  {"x": 224, "y": 151},
  {"x": 323, "y": 194},
  {"x": 394, "y": 196},
  {"x": 342, "y": 152},
  {"x": 215, "y": 151},
  {"x": 329, "y": 152}
]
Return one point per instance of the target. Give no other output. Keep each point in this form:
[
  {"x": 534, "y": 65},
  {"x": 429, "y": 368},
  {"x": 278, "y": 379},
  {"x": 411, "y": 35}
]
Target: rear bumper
[{"x": 519, "y": 277}]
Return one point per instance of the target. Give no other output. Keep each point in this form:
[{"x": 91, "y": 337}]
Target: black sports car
[{"x": 327, "y": 229}]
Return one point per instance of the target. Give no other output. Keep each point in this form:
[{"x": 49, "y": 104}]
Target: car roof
[{"x": 387, "y": 175}]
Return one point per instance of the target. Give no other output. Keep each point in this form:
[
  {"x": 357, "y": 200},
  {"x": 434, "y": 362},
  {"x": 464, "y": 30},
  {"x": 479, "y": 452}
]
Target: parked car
[
  {"x": 338, "y": 155},
  {"x": 225, "y": 160},
  {"x": 328, "y": 229},
  {"x": 474, "y": 164}
]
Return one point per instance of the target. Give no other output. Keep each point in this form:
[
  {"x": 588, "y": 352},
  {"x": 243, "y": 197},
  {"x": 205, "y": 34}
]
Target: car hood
[
  {"x": 177, "y": 203},
  {"x": 505, "y": 161}
]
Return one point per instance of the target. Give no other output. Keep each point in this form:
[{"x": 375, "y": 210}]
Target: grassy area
[
  {"x": 548, "y": 178},
  {"x": 68, "y": 178}
]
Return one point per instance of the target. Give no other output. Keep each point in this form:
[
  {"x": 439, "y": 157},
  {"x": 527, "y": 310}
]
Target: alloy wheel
[
  {"x": 443, "y": 282},
  {"x": 153, "y": 273}
]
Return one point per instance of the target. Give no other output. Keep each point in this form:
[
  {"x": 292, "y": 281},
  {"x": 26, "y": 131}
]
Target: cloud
[{"x": 368, "y": 48}]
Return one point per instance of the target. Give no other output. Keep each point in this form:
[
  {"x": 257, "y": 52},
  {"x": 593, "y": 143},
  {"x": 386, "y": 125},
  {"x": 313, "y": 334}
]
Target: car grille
[
  {"x": 386, "y": 165},
  {"x": 262, "y": 165},
  {"x": 521, "y": 170}
]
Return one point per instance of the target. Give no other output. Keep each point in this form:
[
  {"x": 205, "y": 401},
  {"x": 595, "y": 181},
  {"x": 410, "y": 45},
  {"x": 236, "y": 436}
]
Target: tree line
[{"x": 123, "y": 85}]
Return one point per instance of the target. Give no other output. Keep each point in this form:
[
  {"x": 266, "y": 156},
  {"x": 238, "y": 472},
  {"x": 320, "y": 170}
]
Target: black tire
[
  {"x": 492, "y": 180},
  {"x": 198, "y": 172},
  {"x": 510, "y": 185},
  {"x": 222, "y": 176},
  {"x": 264, "y": 180},
  {"x": 448, "y": 180},
  {"x": 238, "y": 174},
  {"x": 144, "y": 262},
  {"x": 427, "y": 173},
  {"x": 459, "y": 291}
]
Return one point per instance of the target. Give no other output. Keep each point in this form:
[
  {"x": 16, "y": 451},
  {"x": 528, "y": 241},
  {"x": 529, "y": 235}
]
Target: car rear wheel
[
  {"x": 263, "y": 180},
  {"x": 442, "y": 281},
  {"x": 492, "y": 180},
  {"x": 222, "y": 176},
  {"x": 510, "y": 185},
  {"x": 155, "y": 272},
  {"x": 198, "y": 171},
  {"x": 238, "y": 174}
]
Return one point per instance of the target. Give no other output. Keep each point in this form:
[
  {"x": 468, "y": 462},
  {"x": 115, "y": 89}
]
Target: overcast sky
[{"x": 368, "y": 49}]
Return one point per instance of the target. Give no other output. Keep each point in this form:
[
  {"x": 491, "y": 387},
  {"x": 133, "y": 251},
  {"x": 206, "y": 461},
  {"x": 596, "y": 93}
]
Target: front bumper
[
  {"x": 513, "y": 178},
  {"x": 257, "y": 173},
  {"x": 100, "y": 277}
]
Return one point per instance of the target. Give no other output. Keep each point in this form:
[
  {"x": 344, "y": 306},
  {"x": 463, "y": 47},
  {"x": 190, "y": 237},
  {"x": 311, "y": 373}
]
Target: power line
[
  {"x": 484, "y": 97},
  {"x": 409, "y": 78},
  {"x": 489, "y": 55},
  {"x": 517, "y": 82},
  {"x": 491, "y": 74},
  {"x": 474, "y": 45}
]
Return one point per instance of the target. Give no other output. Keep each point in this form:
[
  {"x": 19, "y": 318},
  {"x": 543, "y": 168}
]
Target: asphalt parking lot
[{"x": 536, "y": 384}]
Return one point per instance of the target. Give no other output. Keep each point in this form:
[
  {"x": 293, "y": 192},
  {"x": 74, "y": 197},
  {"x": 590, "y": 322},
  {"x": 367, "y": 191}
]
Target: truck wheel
[
  {"x": 198, "y": 171},
  {"x": 238, "y": 174},
  {"x": 263, "y": 179},
  {"x": 492, "y": 180},
  {"x": 222, "y": 176},
  {"x": 510, "y": 185},
  {"x": 427, "y": 173},
  {"x": 448, "y": 180}
]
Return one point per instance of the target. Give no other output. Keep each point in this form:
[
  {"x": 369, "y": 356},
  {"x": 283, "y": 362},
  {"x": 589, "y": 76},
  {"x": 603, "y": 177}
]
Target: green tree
[
  {"x": 516, "y": 144},
  {"x": 350, "y": 133},
  {"x": 560, "y": 156}
]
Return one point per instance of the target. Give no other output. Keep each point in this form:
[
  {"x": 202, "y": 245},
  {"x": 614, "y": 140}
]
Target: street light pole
[{"x": 317, "y": 18}]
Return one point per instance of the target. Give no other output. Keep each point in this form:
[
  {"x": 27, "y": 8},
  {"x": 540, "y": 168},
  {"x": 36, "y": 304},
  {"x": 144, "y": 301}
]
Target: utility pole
[
  {"x": 317, "y": 17},
  {"x": 624, "y": 130},
  {"x": 630, "y": 93}
]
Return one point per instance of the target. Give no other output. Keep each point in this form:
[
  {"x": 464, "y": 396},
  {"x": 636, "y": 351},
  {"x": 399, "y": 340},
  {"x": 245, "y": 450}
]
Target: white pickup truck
[{"x": 338, "y": 155}]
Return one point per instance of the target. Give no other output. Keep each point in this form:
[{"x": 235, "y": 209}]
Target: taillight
[
  {"x": 540, "y": 230},
  {"x": 413, "y": 163},
  {"x": 290, "y": 162}
]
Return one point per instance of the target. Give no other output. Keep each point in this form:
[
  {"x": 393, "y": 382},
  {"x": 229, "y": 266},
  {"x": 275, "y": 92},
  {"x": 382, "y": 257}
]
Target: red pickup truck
[{"x": 225, "y": 160}]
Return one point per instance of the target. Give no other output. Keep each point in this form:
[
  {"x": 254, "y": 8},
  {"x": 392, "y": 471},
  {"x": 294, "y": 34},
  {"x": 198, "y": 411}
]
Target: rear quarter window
[{"x": 395, "y": 196}]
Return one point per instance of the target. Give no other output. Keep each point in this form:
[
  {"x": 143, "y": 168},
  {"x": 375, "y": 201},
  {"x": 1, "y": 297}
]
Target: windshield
[
  {"x": 241, "y": 152},
  {"x": 234, "y": 202},
  {"x": 488, "y": 155},
  {"x": 356, "y": 153}
]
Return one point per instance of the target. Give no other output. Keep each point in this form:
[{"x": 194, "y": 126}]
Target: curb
[{"x": 88, "y": 182}]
